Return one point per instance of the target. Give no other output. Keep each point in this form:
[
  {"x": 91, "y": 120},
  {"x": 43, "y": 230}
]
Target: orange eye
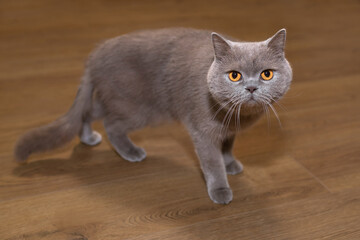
[
  {"x": 267, "y": 75},
  {"x": 234, "y": 76}
]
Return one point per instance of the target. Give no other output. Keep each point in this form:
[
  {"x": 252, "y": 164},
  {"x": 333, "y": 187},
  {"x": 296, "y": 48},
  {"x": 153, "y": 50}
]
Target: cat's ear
[
  {"x": 277, "y": 42},
  {"x": 221, "y": 46}
]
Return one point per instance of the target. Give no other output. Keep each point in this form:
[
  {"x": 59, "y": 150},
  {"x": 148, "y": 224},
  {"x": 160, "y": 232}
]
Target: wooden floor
[{"x": 300, "y": 182}]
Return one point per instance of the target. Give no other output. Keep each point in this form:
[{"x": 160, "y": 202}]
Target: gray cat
[{"x": 214, "y": 86}]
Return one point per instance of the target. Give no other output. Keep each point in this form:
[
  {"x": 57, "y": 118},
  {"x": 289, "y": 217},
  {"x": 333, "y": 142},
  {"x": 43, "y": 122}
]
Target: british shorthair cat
[{"x": 214, "y": 85}]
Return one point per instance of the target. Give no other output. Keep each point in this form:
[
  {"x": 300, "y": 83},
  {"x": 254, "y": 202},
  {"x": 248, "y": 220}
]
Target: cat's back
[
  {"x": 150, "y": 48},
  {"x": 166, "y": 35},
  {"x": 157, "y": 39}
]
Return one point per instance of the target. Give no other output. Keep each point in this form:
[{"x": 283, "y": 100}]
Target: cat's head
[{"x": 250, "y": 74}]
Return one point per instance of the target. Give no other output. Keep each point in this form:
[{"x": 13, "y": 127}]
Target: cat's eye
[
  {"x": 267, "y": 75},
  {"x": 234, "y": 76}
]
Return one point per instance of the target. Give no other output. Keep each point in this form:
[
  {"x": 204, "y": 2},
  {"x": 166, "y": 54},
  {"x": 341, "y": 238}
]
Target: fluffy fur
[{"x": 178, "y": 74}]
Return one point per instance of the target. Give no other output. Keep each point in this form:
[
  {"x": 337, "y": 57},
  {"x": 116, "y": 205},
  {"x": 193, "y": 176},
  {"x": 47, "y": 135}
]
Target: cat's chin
[
  {"x": 248, "y": 107},
  {"x": 252, "y": 103},
  {"x": 251, "y": 107}
]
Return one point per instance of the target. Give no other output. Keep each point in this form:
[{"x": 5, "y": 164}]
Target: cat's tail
[{"x": 62, "y": 130}]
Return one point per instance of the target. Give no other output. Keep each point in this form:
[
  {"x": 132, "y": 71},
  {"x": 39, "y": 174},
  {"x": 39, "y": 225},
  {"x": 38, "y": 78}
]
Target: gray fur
[{"x": 178, "y": 74}]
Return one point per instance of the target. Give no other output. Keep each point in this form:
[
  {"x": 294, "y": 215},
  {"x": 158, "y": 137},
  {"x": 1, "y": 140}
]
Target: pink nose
[{"x": 251, "y": 89}]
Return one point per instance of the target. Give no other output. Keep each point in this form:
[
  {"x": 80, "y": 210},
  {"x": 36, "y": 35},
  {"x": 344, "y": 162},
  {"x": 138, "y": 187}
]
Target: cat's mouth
[
  {"x": 255, "y": 99},
  {"x": 252, "y": 102}
]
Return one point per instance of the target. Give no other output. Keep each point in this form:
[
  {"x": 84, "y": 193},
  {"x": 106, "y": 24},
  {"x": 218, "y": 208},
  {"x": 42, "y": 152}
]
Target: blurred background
[{"x": 303, "y": 174}]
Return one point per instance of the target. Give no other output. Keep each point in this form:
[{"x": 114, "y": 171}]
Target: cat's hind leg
[
  {"x": 117, "y": 134},
  {"x": 232, "y": 165},
  {"x": 89, "y": 136}
]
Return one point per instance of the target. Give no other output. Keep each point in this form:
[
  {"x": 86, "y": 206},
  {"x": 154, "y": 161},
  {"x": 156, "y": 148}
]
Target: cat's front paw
[
  {"x": 234, "y": 167},
  {"x": 221, "y": 195},
  {"x": 134, "y": 154}
]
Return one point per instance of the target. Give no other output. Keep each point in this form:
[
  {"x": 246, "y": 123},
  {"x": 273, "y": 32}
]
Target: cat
[{"x": 214, "y": 85}]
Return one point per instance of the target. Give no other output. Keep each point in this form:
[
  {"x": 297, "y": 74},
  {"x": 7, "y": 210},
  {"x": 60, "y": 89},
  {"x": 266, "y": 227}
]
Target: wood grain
[
  {"x": 272, "y": 223},
  {"x": 301, "y": 181}
]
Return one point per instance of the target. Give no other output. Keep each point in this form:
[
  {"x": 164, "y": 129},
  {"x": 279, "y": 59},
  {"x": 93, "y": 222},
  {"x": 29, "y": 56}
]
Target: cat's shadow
[{"x": 92, "y": 166}]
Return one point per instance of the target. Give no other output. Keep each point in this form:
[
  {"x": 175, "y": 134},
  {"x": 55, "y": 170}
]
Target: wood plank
[
  {"x": 332, "y": 157},
  {"x": 328, "y": 216},
  {"x": 155, "y": 201}
]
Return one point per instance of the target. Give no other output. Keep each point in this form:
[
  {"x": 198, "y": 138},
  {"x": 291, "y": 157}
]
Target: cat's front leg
[
  {"x": 232, "y": 165},
  {"x": 213, "y": 167}
]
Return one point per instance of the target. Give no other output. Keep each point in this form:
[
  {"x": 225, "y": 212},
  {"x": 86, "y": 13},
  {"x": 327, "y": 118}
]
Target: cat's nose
[{"x": 251, "y": 89}]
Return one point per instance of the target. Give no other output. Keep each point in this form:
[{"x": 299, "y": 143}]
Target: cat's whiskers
[
  {"x": 276, "y": 115},
  {"x": 214, "y": 105},
  {"x": 230, "y": 118},
  {"x": 268, "y": 119},
  {"x": 220, "y": 108},
  {"x": 238, "y": 122},
  {"x": 267, "y": 101},
  {"x": 217, "y": 103},
  {"x": 229, "y": 115},
  {"x": 224, "y": 119},
  {"x": 275, "y": 101},
  {"x": 223, "y": 128}
]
